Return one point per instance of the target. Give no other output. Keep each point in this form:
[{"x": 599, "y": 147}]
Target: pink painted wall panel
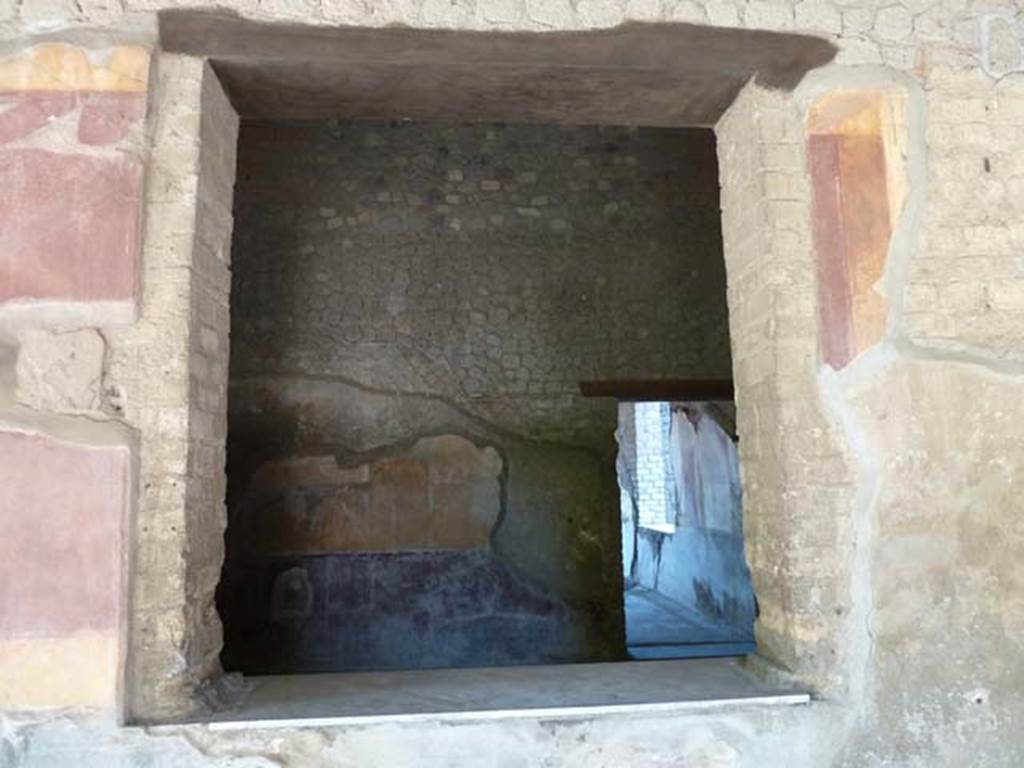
[
  {"x": 106, "y": 117},
  {"x": 62, "y": 513},
  {"x": 69, "y": 214},
  {"x": 26, "y": 113},
  {"x": 68, "y": 226}
]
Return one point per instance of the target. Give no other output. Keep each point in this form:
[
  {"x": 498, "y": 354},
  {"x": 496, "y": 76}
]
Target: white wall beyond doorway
[{"x": 688, "y": 588}]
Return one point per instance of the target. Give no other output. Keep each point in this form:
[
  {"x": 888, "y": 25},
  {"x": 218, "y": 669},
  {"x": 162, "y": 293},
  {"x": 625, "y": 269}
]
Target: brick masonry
[
  {"x": 770, "y": 265},
  {"x": 493, "y": 266},
  {"x": 170, "y": 370},
  {"x": 652, "y": 463}
]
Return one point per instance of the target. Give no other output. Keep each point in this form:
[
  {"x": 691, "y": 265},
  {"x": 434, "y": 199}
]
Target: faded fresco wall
[
  {"x": 70, "y": 128},
  {"x": 114, "y": 371},
  {"x": 395, "y": 282}
]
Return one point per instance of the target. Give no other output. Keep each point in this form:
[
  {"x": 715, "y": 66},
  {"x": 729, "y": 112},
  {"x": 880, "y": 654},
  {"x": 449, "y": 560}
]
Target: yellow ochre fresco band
[{"x": 63, "y": 67}]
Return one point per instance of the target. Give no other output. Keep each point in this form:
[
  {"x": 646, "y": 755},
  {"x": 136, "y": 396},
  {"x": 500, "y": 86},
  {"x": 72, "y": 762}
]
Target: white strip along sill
[{"x": 685, "y": 686}]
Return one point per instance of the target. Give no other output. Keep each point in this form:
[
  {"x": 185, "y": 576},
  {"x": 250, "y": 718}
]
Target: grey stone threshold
[
  {"x": 451, "y": 695},
  {"x": 645, "y": 651}
]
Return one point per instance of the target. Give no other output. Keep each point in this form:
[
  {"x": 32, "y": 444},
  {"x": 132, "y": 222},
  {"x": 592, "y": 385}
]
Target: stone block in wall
[
  {"x": 855, "y": 151},
  {"x": 71, "y": 185},
  {"x": 62, "y": 517},
  {"x": 61, "y": 371},
  {"x": 348, "y": 611}
]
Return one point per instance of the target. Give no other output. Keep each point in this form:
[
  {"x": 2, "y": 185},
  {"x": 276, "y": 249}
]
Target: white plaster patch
[{"x": 61, "y": 372}]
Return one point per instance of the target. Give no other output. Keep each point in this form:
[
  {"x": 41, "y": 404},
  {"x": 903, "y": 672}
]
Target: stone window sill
[{"x": 684, "y": 686}]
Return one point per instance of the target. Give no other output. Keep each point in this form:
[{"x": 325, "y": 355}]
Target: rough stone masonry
[
  {"x": 872, "y": 233},
  {"x": 395, "y": 282}
]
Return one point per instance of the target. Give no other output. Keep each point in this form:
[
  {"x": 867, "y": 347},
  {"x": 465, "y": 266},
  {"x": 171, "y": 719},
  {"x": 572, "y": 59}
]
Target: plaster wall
[{"x": 880, "y": 492}]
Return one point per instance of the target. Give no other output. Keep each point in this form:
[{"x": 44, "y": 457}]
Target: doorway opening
[{"x": 687, "y": 587}]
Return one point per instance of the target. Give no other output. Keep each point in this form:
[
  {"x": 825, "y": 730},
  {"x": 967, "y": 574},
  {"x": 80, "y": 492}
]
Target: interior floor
[{"x": 658, "y": 627}]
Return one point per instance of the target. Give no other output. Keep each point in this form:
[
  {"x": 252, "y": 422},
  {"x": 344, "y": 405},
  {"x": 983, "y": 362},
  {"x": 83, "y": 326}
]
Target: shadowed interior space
[{"x": 415, "y": 479}]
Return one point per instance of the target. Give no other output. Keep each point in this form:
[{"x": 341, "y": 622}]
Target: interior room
[{"x": 415, "y": 477}]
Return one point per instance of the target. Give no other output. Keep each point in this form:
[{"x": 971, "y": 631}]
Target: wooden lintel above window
[{"x": 660, "y": 389}]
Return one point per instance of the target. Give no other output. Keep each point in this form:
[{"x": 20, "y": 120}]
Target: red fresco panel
[{"x": 62, "y": 514}]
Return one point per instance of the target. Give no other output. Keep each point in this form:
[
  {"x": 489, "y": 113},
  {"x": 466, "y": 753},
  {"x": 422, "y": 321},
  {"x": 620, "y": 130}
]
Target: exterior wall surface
[
  {"x": 881, "y": 485},
  {"x": 167, "y": 373},
  {"x": 72, "y": 161}
]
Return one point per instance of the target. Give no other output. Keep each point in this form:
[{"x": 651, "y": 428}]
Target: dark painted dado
[{"x": 359, "y": 610}]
